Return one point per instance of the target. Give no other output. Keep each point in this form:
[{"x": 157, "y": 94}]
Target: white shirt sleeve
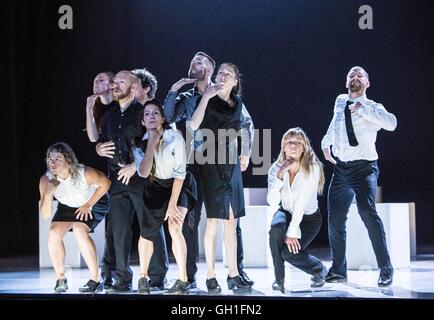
[
  {"x": 246, "y": 132},
  {"x": 138, "y": 156},
  {"x": 180, "y": 158},
  {"x": 378, "y": 115},
  {"x": 310, "y": 185},
  {"x": 274, "y": 186}
]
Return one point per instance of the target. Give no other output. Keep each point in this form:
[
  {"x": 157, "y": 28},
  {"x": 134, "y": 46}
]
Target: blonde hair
[
  {"x": 308, "y": 158},
  {"x": 70, "y": 158}
]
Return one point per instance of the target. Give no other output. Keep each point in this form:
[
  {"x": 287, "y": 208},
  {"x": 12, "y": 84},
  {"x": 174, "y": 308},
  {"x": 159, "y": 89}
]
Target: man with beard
[
  {"x": 182, "y": 106},
  {"x": 352, "y": 134},
  {"x": 98, "y": 103},
  {"x": 120, "y": 125}
]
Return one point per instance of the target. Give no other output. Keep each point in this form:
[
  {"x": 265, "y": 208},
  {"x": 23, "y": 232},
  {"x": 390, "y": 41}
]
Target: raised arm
[
  {"x": 174, "y": 104},
  {"x": 145, "y": 167},
  {"x": 47, "y": 188},
  {"x": 91, "y": 129},
  {"x": 275, "y": 185},
  {"x": 199, "y": 113}
]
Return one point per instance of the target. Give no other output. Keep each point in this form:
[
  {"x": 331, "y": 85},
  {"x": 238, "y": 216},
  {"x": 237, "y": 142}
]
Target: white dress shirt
[
  {"x": 367, "y": 121},
  {"x": 170, "y": 157},
  {"x": 299, "y": 198}
]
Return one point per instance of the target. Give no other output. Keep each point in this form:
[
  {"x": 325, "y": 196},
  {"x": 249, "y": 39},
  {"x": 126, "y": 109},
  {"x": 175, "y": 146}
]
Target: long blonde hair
[{"x": 308, "y": 158}]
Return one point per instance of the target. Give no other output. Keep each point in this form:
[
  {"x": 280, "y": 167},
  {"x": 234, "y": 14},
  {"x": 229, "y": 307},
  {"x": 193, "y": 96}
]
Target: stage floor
[{"x": 416, "y": 282}]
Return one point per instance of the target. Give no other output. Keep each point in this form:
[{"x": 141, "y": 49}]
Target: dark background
[{"x": 294, "y": 55}]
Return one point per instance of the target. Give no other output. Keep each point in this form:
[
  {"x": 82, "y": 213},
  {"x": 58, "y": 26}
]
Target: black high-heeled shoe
[{"x": 237, "y": 283}]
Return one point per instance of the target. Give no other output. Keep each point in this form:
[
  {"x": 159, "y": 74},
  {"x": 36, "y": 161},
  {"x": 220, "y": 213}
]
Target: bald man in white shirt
[{"x": 351, "y": 137}]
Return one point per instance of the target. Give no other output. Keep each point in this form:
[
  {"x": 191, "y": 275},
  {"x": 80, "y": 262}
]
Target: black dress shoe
[
  {"x": 237, "y": 283},
  {"x": 61, "y": 285},
  {"x": 213, "y": 286},
  {"x": 180, "y": 287},
  {"x": 91, "y": 287},
  {"x": 334, "y": 277},
  {"x": 246, "y": 278},
  {"x": 108, "y": 283},
  {"x": 120, "y": 286},
  {"x": 386, "y": 277},
  {"x": 193, "y": 284},
  {"x": 278, "y": 286},
  {"x": 143, "y": 286},
  {"x": 157, "y": 286},
  {"x": 318, "y": 279}
]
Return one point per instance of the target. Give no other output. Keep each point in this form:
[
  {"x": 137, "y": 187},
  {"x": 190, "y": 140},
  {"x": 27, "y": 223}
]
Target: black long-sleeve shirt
[{"x": 121, "y": 128}]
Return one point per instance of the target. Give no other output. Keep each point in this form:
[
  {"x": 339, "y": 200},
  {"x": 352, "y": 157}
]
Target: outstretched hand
[
  {"x": 179, "y": 84},
  {"x": 126, "y": 172}
]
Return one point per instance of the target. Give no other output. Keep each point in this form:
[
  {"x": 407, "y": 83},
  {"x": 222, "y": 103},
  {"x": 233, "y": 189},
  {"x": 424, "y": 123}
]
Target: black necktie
[{"x": 349, "y": 125}]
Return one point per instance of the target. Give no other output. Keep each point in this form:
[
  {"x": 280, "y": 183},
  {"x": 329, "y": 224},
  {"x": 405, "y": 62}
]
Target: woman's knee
[
  {"x": 80, "y": 229},
  {"x": 56, "y": 232}
]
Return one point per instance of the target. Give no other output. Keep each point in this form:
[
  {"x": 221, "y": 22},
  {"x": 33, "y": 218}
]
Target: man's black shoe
[
  {"x": 193, "y": 284},
  {"x": 157, "y": 286},
  {"x": 334, "y": 278},
  {"x": 386, "y": 277},
  {"x": 246, "y": 278},
  {"x": 120, "y": 286},
  {"x": 91, "y": 287},
  {"x": 278, "y": 286}
]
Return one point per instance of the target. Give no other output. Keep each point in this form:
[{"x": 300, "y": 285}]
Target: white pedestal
[
  {"x": 396, "y": 221},
  {"x": 73, "y": 258}
]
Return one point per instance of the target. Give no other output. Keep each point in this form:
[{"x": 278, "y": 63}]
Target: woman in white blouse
[
  {"x": 169, "y": 192},
  {"x": 294, "y": 181},
  {"x": 83, "y": 202}
]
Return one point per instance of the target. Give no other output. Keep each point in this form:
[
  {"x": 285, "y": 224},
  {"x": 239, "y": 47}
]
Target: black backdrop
[{"x": 294, "y": 55}]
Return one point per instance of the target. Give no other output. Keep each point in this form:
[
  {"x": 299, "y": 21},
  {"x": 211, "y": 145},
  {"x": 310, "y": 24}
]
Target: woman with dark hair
[
  {"x": 98, "y": 103},
  {"x": 169, "y": 192},
  {"x": 222, "y": 186},
  {"x": 294, "y": 182},
  {"x": 83, "y": 202}
]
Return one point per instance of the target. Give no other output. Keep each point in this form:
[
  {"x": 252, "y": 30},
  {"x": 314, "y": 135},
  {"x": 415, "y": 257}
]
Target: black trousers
[
  {"x": 190, "y": 231},
  {"x": 310, "y": 226},
  {"x": 357, "y": 178},
  {"x": 125, "y": 200}
]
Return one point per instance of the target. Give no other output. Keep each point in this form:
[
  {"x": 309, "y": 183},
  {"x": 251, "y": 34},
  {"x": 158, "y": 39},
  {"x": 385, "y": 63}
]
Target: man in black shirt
[{"x": 120, "y": 125}]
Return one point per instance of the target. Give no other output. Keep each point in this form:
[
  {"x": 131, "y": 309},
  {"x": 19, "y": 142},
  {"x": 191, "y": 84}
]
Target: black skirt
[
  {"x": 222, "y": 185},
  {"x": 100, "y": 209},
  {"x": 156, "y": 196}
]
